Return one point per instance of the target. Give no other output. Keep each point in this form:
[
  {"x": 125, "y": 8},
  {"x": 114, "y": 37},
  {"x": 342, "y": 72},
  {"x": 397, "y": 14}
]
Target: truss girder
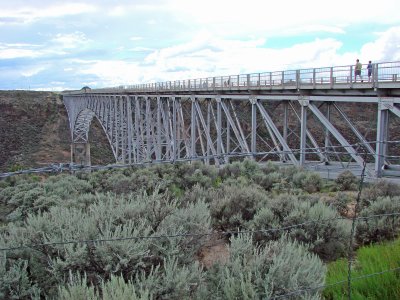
[
  {"x": 214, "y": 128},
  {"x": 339, "y": 137}
]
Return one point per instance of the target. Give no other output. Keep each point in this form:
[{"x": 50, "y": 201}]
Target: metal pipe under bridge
[{"x": 309, "y": 117}]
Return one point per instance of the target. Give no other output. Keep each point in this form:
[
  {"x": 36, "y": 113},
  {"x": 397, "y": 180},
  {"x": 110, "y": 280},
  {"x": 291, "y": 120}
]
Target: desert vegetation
[{"x": 145, "y": 233}]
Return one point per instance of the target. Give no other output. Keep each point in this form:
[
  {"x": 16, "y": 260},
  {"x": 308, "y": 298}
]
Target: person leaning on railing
[{"x": 357, "y": 70}]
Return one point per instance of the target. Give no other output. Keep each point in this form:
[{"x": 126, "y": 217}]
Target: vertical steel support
[
  {"x": 228, "y": 139},
  {"x": 208, "y": 132},
  {"x": 122, "y": 129},
  {"x": 148, "y": 123},
  {"x": 327, "y": 141},
  {"x": 115, "y": 122},
  {"x": 193, "y": 127},
  {"x": 285, "y": 126},
  {"x": 174, "y": 131},
  {"x": 166, "y": 121},
  {"x": 129, "y": 120},
  {"x": 137, "y": 129},
  {"x": 381, "y": 138},
  {"x": 219, "y": 128},
  {"x": 183, "y": 132},
  {"x": 158, "y": 148},
  {"x": 253, "y": 101},
  {"x": 303, "y": 132}
]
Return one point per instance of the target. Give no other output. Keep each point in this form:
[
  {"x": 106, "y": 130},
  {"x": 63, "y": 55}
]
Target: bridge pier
[{"x": 80, "y": 154}]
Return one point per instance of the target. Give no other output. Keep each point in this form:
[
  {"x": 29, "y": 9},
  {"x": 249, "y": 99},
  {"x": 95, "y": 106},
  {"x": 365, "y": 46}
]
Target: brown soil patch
[
  {"x": 351, "y": 208},
  {"x": 214, "y": 251}
]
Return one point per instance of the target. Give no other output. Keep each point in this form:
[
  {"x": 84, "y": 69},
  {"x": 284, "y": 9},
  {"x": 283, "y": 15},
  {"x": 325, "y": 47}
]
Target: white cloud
[
  {"x": 29, "y": 72},
  {"x": 60, "y": 43},
  {"x": 227, "y": 17},
  {"x": 112, "y": 72},
  {"x": 141, "y": 49},
  {"x": 28, "y": 14},
  {"x": 19, "y": 50},
  {"x": 71, "y": 40},
  {"x": 384, "y": 48},
  {"x": 136, "y": 38},
  {"x": 117, "y": 11}
]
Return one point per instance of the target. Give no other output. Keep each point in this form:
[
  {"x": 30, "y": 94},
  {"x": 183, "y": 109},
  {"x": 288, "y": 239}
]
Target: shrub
[
  {"x": 115, "y": 288},
  {"x": 264, "y": 223},
  {"x": 347, "y": 181},
  {"x": 263, "y": 272},
  {"x": 270, "y": 167},
  {"x": 309, "y": 182},
  {"x": 166, "y": 281},
  {"x": 381, "y": 188},
  {"x": 197, "y": 193},
  {"x": 143, "y": 179},
  {"x": 270, "y": 180},
  {"x": 29, "y": 197},
  {"x": 342, "y": 202},
  {"x": 111, "y": 217},
  {"x": 233, "y": 206},
  {"x": 327, "y": 236},
  {"x": 379, "y": 228},
  {"x": 15, "y": 282},
  {"x": 248, "y": 169}
]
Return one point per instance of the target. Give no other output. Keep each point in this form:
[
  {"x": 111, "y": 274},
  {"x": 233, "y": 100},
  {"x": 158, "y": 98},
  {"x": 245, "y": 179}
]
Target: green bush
[
  {"x": 342, "y": 202},
  {"x": 111, "y": 217},
  {"x": 347, "y": 181},
  {"x": 327, "y": 235},
  {"x": 381, "y": 188},
  {"x": 15, "y": 282},
  {"x": 234, "y": 205},
  {"x": 261, "y": 272},
  {"x": 114, "y": 289},
  {"x": 379, "y": 228},
  {"x": 309, "y": 182},
  {"x": 27, "y": 197}
]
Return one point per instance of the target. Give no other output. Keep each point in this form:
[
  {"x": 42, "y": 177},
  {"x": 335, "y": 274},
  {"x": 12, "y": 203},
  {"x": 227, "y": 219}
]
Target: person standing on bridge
[
  {"x": 357, "y": 70},
  {"x": 369, "y": 68}
]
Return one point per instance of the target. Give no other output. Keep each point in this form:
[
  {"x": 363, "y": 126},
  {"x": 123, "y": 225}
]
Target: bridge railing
[{"x": 289, "y": 79}]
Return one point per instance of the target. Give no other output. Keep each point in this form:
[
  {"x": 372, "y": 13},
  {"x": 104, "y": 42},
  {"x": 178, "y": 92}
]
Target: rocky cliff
[{"x": 34, "y": 131}]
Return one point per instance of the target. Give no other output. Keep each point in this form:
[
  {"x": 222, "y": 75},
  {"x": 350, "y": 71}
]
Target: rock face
[{"x": 34, "y": 131}]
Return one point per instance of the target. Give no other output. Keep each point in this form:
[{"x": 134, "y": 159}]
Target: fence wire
[{"x": 71, "y": 167}]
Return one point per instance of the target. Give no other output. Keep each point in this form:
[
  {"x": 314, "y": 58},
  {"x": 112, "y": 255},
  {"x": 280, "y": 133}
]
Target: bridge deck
[{"x": 338, "y": 80}]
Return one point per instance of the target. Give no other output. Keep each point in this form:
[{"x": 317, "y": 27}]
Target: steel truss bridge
[{"x": 307, "y": 117}]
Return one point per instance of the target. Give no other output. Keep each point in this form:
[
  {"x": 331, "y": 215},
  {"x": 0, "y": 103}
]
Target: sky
[{"x": 58, "y": 45}]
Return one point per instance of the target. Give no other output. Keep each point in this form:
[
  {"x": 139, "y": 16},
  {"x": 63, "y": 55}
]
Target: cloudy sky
[{"x": 57, "y": 45}]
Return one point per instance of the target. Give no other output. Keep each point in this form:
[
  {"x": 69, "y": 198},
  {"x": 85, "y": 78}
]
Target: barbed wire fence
[
  {"x": 58, "y": 168},
  {"x": 348, "y": 281},
  {"x": 72, "y": 167}
]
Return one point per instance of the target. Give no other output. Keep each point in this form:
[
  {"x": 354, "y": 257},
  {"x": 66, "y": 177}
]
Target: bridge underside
[{"x": 297, "y": 130}]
